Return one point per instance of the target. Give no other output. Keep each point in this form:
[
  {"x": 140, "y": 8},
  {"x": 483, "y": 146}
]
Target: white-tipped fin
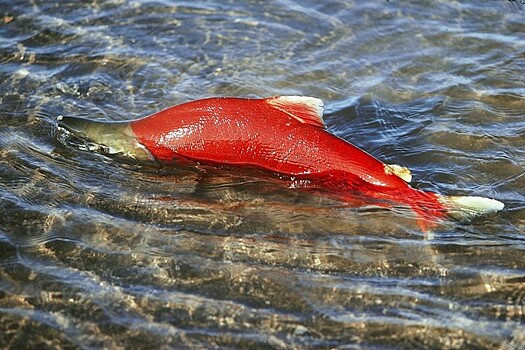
[
  {"x": 466, "y": 207},
  {"x": 400, "y": 171},
  {"x": 307, "y": 110}
]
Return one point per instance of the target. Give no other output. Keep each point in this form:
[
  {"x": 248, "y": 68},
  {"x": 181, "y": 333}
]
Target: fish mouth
[
  {"x": 76, "y": 126},
  {"x": 71, "y": 132}
]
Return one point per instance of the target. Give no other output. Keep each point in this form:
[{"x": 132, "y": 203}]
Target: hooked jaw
[{"x": 106, "y": 137}]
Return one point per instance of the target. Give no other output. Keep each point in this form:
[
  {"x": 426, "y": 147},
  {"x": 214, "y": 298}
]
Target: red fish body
[
  {"x": 255, "y": 132},
  {"x": 282, "y": 135}
]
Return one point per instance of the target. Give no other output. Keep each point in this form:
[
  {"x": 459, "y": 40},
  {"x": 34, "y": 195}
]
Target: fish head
[{"x": 113, "y": 138}]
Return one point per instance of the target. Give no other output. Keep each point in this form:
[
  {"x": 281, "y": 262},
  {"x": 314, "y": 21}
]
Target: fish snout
[{"x": 76, "y": 126}]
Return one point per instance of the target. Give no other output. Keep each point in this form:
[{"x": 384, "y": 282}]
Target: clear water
[{"x": 98, "y": 253}]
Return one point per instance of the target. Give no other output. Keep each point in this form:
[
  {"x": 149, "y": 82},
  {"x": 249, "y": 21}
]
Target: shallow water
[{"x": 100, "y": 253}]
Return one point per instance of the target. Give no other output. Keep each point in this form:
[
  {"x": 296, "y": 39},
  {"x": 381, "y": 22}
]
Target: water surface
[{"x": 100, "y": 253}]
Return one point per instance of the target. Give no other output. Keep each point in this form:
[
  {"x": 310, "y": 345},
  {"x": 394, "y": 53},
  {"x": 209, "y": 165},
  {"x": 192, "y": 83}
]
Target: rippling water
[{"x": 99, "y": 253}]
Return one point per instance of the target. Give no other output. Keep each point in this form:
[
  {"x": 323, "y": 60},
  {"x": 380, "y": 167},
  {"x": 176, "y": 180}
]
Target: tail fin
[
  {"x": 430, "y": 208},
  {"x": 466, "y": 207},
  {"x": 105, "y": 137}
]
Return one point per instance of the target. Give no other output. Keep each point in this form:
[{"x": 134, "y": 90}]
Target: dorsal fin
[{"x": 307, "y": 110}]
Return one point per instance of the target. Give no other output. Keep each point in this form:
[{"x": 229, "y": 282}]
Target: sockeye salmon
[{"x": 284, "y": 136}]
